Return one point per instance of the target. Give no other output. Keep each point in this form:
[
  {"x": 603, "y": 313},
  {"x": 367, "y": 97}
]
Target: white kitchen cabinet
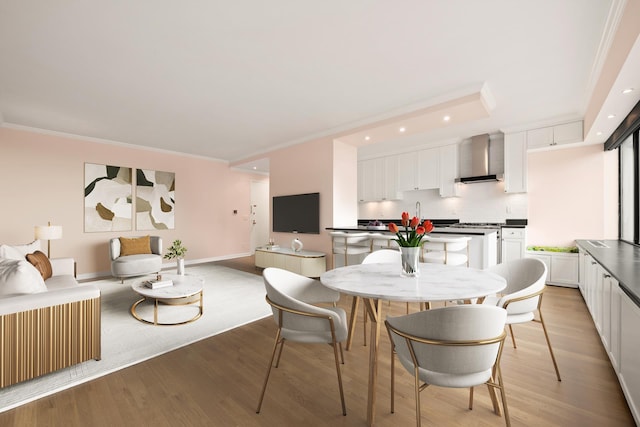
[
  {"x": 562, "y": 268},
  {"x": 407, "y": 172},
  {"x": 361, "y": 182},
  {"x": 629, "y": 372},
  {"x": 555, "y": 135},
  {"x": 515, "y": 162},
  {"x": 614, "y": 347},
  {"x": 418, "y": 170},
  {"x": 513, "y": 243},
  {"x": 428, "y": 169},
  {"x": 377, "y": 179},
  {"x": 390, "y": 187},
  {"x": 448, "y": 170},
  {"x": 542, "y": 137},
  {"x": 582, "y": 261}
]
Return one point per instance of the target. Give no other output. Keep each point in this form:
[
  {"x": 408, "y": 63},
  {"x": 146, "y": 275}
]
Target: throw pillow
[
  {"x": 19, "y": 277},
  {"x": 135, "y": 246},
  {"x": 9, "y": 252},
  {"x": 29, "y": 248},
  {"x": 41, "y": 263}
]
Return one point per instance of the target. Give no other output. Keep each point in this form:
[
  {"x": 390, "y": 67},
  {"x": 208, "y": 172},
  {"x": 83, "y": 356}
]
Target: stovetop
[{"x": 477, "y": 225}]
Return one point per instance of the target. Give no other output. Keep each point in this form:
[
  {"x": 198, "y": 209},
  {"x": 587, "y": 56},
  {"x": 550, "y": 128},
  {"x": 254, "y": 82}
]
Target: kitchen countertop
[
  {"x": 436, "y": 230},
  {"x": 622, "y": 261}
]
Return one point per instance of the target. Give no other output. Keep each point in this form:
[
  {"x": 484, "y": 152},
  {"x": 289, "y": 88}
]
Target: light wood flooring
[{"x": 216, "y": 382}]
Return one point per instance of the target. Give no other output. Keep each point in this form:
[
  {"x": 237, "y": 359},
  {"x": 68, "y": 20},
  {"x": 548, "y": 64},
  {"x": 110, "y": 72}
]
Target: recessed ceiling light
[
  {"x": 446, "y": 118},
  {"x": 366, "y": 138},
  {"x": 598, "y": 133},
  {"x": 628, "y": 90},
  {"x": 611, "y": 116},
  {"x": 402, "y": 129},
  {"x": 255, "y": 168}
]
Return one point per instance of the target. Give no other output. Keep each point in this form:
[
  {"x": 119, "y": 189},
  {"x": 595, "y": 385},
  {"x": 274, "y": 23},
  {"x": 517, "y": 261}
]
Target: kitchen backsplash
[{"x": 481, "y": 202}]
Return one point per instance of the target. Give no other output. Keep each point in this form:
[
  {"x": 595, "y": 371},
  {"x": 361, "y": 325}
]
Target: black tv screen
[{"x": 298, "y": 213}]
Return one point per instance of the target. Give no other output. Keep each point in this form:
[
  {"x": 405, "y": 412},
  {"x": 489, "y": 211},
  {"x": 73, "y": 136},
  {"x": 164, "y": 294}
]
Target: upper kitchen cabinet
[
  {"x": 555, "y": 135},
  {"x": 515, "y": 162},
  {"x": 418, "y": 170},
  {"x": 377, "y": 179},
  {"x": 448, "y": 170}
]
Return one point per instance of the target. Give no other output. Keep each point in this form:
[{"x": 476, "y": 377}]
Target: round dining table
[{"x": 375, "y": 283}]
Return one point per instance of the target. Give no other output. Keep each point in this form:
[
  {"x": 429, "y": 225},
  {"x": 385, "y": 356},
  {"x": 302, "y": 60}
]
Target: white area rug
[{"x": 232, "y": 298}]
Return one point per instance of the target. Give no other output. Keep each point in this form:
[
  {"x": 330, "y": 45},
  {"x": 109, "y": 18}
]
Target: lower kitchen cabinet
[
  {"x": 629, "y": 368},
  {"x": 562, "y": 268},
  {"x": 513, "y": 243},
  {"x": 616, "y": 318}
]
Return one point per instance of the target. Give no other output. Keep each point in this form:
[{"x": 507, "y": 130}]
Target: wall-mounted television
[{"x": 297, "y": 213}]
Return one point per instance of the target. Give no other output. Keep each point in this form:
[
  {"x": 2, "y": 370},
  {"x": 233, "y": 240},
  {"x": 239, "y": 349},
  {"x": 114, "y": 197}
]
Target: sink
[{"x": 597, "y": 243}]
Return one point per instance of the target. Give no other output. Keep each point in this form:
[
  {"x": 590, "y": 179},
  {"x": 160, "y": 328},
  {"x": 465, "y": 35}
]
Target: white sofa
[{"x": 45, "y": 325}]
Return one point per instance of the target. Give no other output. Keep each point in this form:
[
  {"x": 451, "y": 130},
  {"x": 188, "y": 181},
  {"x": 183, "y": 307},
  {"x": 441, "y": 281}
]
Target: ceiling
[{"x": 233, "y": 79}]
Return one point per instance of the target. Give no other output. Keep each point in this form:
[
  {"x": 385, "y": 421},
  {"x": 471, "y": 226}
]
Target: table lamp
[{"x": 48, "y": 232}]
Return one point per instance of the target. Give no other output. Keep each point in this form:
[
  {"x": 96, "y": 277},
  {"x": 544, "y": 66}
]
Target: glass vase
[{"x": 410, "y": 261}]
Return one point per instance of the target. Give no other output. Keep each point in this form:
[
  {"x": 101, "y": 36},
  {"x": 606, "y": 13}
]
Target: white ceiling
[{"x": 231, "y": 79}]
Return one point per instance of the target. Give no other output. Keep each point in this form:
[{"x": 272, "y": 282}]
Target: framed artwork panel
[
  {"x": 155, "y": 200},
  {"x": 107, "y": 198}
]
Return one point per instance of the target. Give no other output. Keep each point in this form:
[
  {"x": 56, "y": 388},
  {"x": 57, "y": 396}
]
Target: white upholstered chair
[
  {"x": 522, "y": 297},
  {"x": 291, "y": 297},
  {"x": 457, "y": 346},
  {"x": 446, "y": 250},
  {"x": 138, "y": 264},
  {"x": 379, "y": 256},
  {"x": 346, "y": 244}
]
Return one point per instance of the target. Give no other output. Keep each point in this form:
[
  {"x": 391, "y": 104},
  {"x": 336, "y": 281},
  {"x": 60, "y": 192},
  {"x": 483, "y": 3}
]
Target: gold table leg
[
  {"x": 374, "y": 309},
  {"x": 155, "y": 309}
]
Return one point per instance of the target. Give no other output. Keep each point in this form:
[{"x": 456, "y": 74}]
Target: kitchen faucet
[{"x": 418, "y": 213}]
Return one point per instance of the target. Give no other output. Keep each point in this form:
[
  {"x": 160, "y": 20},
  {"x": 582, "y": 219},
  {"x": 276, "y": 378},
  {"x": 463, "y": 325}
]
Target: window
[
  {"x": 626, "y": 139},
  {"x": 628, "y": 157}
]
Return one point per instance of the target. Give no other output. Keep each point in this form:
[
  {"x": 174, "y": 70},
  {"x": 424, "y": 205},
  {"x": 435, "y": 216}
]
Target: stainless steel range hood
[{"x": 480, "y": 162}]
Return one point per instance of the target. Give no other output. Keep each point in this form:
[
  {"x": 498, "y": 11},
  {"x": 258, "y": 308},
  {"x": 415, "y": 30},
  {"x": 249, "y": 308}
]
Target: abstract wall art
[
  {"x": 155, "y": 200},
  {"x": 107, "y": 198}
]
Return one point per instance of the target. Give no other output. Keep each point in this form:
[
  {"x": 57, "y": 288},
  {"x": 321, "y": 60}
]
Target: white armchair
[{"x": 127, "y": 264}]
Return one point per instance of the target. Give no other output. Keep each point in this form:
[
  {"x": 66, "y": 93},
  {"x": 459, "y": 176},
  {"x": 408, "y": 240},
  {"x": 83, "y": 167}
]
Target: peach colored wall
[
  {"x": 345, "y": 184},
  {"x": 571, "y": 195},
  {"x": 42, "y": 179},
  {"x": 309, "y": 167},
  {"x": 626, "y": 35}
]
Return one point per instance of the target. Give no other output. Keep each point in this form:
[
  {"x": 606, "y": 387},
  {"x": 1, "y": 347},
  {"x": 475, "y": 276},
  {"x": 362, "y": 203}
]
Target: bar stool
[
  {"x": 350, "y": 244},
  {"x": 383, "y": 241},
  {"x": 446, "y": 250}
]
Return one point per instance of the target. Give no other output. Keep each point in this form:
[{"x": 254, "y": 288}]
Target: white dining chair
[
  {"x": 522, "y": 297},
  {"x": 379, "y": 256},
  {"x": 350, "y": 243},
  {"x": 300, "y": 321},
  {"x": 446, "y": 250},
  {"x": 457, "y": 346}
]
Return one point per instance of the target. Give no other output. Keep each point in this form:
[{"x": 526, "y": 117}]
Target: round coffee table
[{"x": 186, "y": 289}]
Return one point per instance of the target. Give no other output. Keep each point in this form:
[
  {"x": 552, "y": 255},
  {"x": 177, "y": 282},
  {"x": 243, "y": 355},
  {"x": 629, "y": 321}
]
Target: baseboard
[{"x": 165, "y": 265}]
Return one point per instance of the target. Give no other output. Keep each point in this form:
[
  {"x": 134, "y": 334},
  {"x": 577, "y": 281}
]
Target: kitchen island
[{"x": 483, "y": 247}]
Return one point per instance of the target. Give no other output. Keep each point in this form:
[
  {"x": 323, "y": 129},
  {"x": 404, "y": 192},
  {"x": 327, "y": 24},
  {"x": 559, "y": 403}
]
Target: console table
[{"x": 306, "y": 263}]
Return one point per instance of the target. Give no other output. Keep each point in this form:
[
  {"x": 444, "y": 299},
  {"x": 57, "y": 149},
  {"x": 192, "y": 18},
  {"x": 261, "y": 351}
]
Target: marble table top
[
  {"x": 437, "y": 282},
  {"x": 183, "y": 286}
]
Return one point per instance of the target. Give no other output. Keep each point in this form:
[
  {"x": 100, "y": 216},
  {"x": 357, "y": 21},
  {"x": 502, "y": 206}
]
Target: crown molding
[{"x": 104, "y": 141}]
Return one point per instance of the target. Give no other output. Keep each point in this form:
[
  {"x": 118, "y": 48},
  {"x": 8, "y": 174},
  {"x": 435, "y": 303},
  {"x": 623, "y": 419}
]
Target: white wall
[{"x": 480, "y": 202}]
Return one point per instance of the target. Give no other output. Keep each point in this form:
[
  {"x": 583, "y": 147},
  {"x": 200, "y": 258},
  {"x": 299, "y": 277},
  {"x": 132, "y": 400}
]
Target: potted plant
[{"x": 177, "y": 251}]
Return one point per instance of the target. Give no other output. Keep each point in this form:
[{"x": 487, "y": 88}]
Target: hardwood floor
[{"x": 216, "y": 382}]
